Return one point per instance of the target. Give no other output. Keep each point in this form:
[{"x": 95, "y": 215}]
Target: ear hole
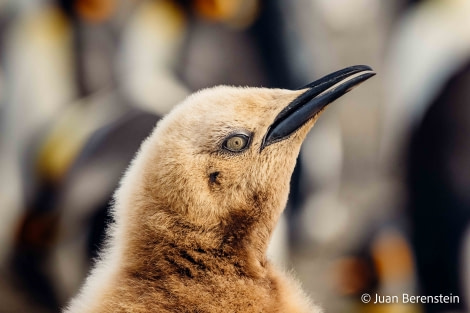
[{"x": 213, "y": 177}]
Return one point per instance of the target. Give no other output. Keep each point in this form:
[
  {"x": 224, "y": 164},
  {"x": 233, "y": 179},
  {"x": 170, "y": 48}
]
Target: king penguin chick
[{"x": 195, "y": 211}]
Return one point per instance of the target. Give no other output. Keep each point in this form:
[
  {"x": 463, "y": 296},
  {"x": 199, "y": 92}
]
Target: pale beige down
[{"x": 193, "y": 221}]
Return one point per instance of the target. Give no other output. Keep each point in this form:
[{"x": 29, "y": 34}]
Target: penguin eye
[{"x": 236, "y": 142}]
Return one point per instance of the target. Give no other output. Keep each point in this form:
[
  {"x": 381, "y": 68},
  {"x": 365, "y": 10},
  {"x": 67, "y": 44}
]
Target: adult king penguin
[{"x": 195, "y": 211}]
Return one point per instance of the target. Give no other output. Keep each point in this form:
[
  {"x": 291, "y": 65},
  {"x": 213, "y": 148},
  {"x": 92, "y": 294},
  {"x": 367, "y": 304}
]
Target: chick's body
[{"x": 195, "y": 210}]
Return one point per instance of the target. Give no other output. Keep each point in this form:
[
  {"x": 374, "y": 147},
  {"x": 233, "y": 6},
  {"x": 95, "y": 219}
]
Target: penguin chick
[{"x": 195, "y": 211}]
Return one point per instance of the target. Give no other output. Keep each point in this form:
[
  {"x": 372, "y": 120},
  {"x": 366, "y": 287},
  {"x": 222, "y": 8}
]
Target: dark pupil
[{"x": 236, "y": 143}]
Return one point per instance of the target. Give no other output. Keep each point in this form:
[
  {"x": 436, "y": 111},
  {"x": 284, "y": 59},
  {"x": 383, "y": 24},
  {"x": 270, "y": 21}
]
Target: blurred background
[{"x": 380, "y": 199}]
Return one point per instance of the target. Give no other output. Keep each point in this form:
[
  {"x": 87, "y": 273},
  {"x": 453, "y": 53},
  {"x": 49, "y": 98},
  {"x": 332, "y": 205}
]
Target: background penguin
[
  {"x": 425, "y": 142},
  {"x": 195, "y": 211}
]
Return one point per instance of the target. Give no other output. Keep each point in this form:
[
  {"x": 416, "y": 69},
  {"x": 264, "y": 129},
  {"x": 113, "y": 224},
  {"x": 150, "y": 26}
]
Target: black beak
[{"x": 319, "y": 94}]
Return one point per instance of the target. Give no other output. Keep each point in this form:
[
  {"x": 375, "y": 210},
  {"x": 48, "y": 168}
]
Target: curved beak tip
[{"x": 318, "y": 95}]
